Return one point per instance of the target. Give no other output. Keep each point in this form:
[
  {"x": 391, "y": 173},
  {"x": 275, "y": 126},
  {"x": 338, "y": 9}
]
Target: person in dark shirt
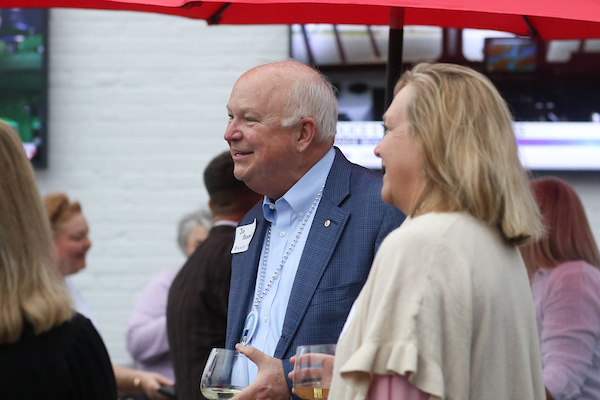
[
  {"x": 197, "y": 304},
  {"x": 47, "y": 351}
]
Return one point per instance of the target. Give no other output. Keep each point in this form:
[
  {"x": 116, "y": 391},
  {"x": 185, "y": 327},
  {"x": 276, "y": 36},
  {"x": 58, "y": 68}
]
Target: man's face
[{"x": 262, "y": 149}]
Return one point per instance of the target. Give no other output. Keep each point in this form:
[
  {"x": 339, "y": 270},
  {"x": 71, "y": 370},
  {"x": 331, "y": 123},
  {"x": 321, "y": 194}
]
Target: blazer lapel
[
  {"x": 244, "y": 270},
  {"x": 325, "y": 232}
]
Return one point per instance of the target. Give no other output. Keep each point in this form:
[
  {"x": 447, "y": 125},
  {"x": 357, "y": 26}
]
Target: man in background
[{"x": 197, "y": 304}]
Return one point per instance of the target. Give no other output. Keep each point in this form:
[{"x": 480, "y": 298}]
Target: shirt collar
[
  {"x": 301, "y": 196},
  {"x": 226, "y": 222}
]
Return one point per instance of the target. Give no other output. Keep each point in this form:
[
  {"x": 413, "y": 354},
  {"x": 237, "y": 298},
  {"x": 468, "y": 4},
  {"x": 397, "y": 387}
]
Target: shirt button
[
  {"x": 282, "y": 233},
  {"x": 271, "y": 206},
  {"x": 300, "y": 214},
  {"x": 265, "y": 319}
]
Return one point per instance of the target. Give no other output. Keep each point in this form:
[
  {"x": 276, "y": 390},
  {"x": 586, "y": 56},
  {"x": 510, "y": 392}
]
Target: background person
[
  {"x": 70, "y": 232},
  {"x": 566, "y": 291},
  {"x": 193, "y": 229},
  {"x": 197, "y": 305},
  {"x": 447, "y": 311},
  {"x": 316, "y": 231},
  {"x": 146, "y": 337},
  {"x": 47, "y": 351}
]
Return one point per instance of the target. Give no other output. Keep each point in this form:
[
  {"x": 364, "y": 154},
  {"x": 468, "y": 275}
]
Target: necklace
[{"x": 252, "y": 318}]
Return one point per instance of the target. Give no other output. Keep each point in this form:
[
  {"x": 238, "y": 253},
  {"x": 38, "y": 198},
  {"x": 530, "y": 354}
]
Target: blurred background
[{"x": 136, "y": 109}]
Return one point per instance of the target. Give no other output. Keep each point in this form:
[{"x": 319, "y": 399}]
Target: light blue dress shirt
[{"x": 286, "y": 216}]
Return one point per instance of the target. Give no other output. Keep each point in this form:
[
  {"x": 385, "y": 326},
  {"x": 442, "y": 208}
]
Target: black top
[
  {"x": 67, "y": 362},
  {"x": 197, "y": 309}
]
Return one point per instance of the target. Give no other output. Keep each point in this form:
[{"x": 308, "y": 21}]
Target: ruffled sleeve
[{"x": 399, "y": 312}]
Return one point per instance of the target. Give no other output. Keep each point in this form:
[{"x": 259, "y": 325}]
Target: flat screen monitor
[
  {"x": 23, "y": 78},
  {"x": 543, "y": 146},
  {"x": 510, "y": 55}
]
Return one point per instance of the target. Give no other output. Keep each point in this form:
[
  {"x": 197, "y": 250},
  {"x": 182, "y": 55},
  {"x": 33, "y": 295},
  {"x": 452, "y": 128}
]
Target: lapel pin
[{"x": 327, "y": 223}]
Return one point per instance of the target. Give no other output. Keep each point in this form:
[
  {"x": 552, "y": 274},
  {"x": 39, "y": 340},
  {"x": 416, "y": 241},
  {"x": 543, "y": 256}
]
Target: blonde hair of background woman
[
  {"x": 60, "y": 210},
  {"x": 464, "y": 130},
  {"x": 568, "y": 235},
  {"x": 31, "y": 287}
]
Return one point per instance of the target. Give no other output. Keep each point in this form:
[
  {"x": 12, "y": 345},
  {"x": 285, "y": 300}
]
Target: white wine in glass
[
  {"x": 225, "y": 374},
  {"x": 313, "y": 370}
]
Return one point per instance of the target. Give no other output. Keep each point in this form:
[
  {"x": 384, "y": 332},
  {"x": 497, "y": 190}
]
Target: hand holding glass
[
  {"x": 225, "y": 374},
  {"x": 313, "y": 369}
]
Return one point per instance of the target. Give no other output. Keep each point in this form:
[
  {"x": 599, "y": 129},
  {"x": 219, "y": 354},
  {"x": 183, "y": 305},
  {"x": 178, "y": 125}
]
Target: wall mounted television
[
  {"x": 558, "y": 120},
  {"x": 543, "y": 146},
  {"x": 510, "y": 55},
  {"x": 24, "y": 77}
]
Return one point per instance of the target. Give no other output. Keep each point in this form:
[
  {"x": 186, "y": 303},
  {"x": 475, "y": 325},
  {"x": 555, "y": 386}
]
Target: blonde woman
[
  {"x": 566, "y": 290},
  {"x": 447, "y": 312},
  {"x": 46, "y": 350}
]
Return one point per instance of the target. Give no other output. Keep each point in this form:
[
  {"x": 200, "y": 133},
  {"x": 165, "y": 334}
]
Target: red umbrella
[
  {"x": 547, "y": 19},
  {"x": 540, "y": 19}
]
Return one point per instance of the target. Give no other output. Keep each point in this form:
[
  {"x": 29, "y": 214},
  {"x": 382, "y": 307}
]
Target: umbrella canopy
[
  {"x": 544, "y": 19},
  {"x": 540, "y": 19}
]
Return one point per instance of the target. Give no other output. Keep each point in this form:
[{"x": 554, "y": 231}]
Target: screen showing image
[
  {"x": 542, "y": 146},
  {"x": 510, "y": 55},
  {"x": 23, "y": 77}
]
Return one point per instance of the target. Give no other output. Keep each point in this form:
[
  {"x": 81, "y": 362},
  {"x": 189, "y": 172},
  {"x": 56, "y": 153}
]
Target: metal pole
[{"x": 394, "y": 62}]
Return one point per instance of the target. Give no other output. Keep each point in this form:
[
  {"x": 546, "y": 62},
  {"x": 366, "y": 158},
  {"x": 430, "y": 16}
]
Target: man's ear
[
  {"x": 307, "y": 134},
  {"x": 210, "y": 204}
]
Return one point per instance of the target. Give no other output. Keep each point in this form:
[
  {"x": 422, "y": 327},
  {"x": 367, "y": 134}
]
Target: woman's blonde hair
[
  {"x": 465, "y": 133},
  {"x": 60, "y": 209},
  {"x": 568, "y": 235},
  {"x": 31, "y": 288}
]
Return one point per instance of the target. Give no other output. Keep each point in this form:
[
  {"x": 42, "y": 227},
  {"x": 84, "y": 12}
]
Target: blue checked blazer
[{"x": 333, "y": 267}]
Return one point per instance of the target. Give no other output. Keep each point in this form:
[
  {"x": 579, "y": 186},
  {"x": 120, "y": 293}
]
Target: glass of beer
[
  {"x": 225, "y": 374},
  {"x": 313, "y": 369}
]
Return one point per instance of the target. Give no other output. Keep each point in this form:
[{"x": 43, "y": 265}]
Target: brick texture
[{"x": 137, "y": 110}]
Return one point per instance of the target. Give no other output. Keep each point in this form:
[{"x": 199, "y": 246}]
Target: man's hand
[{"x": 270, "y": 382}]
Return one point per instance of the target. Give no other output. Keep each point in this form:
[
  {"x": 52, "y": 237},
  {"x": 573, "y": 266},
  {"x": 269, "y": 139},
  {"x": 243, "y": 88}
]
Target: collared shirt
[
  {"x": 286, "y": 216},
  {"x": 227, "y": 222}
]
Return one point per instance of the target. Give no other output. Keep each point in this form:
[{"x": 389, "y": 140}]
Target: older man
[{"x": 302, "y": 255}]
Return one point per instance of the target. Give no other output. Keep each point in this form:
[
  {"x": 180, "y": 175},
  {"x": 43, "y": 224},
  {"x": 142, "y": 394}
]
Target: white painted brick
[{"x": 137, "y": 110}]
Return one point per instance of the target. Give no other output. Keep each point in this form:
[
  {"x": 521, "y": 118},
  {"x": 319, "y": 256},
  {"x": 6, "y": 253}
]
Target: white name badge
[{"x": 243, "y": 236}]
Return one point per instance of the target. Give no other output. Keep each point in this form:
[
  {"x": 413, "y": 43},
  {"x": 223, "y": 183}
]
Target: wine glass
[
  {"x": 225, "y": 374},
  {"x": 313, "y": 370}
]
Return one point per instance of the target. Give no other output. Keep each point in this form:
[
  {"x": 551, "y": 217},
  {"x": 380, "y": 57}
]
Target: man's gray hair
[
  {"x": 313, "y": 96},
  {"x": 188, "y": 222}
]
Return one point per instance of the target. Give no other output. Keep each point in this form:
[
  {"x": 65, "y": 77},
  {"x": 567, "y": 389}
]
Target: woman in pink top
[{"x": 566, "y": 288}]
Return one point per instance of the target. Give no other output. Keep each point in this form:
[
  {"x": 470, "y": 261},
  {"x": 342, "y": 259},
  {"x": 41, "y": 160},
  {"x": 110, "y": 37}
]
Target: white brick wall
[{"x": 137, "y": 109}]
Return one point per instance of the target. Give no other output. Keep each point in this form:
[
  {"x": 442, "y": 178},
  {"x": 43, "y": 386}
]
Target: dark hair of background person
[
  {"x": 31, "y": 288},
  {"x": 227, "y": 194},
  {"x": 568, "y": 235}
]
